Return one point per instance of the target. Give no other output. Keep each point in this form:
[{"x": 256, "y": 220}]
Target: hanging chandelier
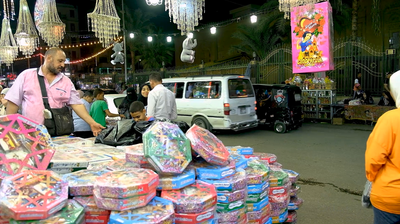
[
  {"x": 26, "y": 35},
  {"x": 286, "y": 6},
  {"x": 154, "y": 2},
  {"x": 185, "y": 13},
  {"x": 8, "y": 47},
  {"x": 105, "y": 21},
  {"x": 48, "y": 23}
]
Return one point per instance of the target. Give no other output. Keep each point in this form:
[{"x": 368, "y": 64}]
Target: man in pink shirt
[{"x": 25, "y": 92}]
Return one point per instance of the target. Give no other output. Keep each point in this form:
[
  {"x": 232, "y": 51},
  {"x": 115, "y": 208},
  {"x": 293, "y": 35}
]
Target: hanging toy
[
  {"x": 118, "y": 55},
  {"x": 187, "y": 54}
]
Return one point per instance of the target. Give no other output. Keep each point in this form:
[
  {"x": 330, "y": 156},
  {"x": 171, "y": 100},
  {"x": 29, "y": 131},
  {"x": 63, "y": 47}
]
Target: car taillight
[
  {"x": 255, "y": 105},
  {"x": 227, "y": 109}
]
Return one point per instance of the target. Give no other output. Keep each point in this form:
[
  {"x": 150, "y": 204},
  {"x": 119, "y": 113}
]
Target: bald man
[{"x": 26, "y": 93}]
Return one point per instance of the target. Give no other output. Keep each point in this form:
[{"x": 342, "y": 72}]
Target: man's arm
[
  {"x": 151, "y": 105},
  {"x": 12, "y": 108},
  {"x": 81, "y": 111},
  {"x": 113, "y": 115},
  {"x": 174, "y": 112}
]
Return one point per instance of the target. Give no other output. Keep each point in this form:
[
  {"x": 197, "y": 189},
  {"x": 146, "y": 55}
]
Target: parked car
[{"x": 113, "y": 102}]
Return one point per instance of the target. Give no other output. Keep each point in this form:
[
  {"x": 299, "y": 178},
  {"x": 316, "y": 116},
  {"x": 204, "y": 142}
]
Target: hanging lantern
[
  {"x": 286, "y": 6},
  {"x": 48, "y": 23},
  {"x": 26, "y": 35},
  {"x": 186, "y": 14},
  {"x": 105, "y": 21},
  {"x": 154, "y": 2},
  {"x": 8, "y": 47}
]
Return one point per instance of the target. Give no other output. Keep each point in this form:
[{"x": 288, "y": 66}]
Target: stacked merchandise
[
  {"x": 93, "y": 214},
  {"x": 295, "y": 202},
  {"x": 279, "y": 194}
]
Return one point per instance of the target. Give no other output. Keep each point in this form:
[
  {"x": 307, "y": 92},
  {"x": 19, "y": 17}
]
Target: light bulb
[
  {"x": 253, "y": 19},
  {"x": 150, "y": 39},
  {"x": 131, "y": 35},
  {"x": 169, "y": 39},
  {"x": 213, "y": 30}
]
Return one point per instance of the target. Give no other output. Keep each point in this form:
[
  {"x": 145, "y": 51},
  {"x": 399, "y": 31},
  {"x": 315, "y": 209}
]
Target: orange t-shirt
[{"x": 382, "y": 162}]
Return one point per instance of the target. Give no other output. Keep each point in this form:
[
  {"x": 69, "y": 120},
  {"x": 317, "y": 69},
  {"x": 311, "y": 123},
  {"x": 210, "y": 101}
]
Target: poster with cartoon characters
[{"x": 312, "y": 38}]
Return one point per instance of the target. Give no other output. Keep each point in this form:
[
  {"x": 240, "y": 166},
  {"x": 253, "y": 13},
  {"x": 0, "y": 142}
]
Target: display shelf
[{"x": 318, "y": 103}]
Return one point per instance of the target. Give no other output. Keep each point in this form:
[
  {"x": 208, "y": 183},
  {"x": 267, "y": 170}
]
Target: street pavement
[{"x": 330, "y": 161}]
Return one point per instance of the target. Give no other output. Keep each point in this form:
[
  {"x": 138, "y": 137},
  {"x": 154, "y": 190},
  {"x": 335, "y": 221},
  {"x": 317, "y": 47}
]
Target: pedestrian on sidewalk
[{"x": 161, "y": 101}]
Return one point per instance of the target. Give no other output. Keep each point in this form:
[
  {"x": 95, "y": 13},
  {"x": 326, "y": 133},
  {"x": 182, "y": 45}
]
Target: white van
[{"x": 219, "y": 102}]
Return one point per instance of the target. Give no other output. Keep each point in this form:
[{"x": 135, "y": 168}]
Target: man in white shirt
[{"x": 161, "y": 101}]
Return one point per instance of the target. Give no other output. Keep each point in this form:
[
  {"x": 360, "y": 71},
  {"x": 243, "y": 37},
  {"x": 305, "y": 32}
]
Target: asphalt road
[{"x": 330, "y": 161}]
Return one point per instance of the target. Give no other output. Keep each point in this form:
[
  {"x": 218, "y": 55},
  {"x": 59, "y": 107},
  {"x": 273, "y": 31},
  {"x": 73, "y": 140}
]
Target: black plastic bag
[
  {"x": 142, "y": 126},
  {"x": 121, "y": 134}
]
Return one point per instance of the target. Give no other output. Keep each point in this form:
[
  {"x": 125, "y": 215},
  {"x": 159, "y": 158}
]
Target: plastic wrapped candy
[
  {"x": 279, "y": 194},
  {"x": 128, "y": 183},
  {"x": 102, "y": 165},
  {"x": 134, "y": 153},
  {"x": 72, "y": 213},
  {"x": 232, "y": 183},
  {"x": 292, "y": 217},
  {"x": 257, "y": 206},
  {"x": 241, "y": 150},
  {"x": 75, "y": 158},
  {"x": 278, "y": 177},
  {"x": 227, "y": 207},
  {"x": 121, "y": 164},
  {"x": 157, "y": 211},
  {"x": 194, "y": 198},
  {"x": 295, "y": 203},
  {"x": 114, "y": 153},
  {"x": 255, "y": 198},
  {"x": 263, "y": 220},
  {"x": 280, "y": 217},
  {"x": 167, "y": 148},
  {"x": 257, "y": 188},
  {"x": 81, "y": 182},
  {"x": 90, "y": 206},
  {"x": 232, "y": 216},
  {"x": 33, "y": 194},
  {"x": 257, "y": 172},
  {"x": 206, "y": 171},
  {"x": 201, "y": 217},
  {"x": 24, "y": 145},
  {"x": 293, "y": 176},
  {"x": 227, "y": 197},
  {"x": 72, "y": 142},
  {"x": 271, "y": 158},
  {"x": 208, "y": 146},
  {"x": 260, "y": 214},
  {"x": 294, "y": 190},
  {"x": 276, "y": 165},
  {"x": 123, "y": 203},
  {"x": 172, "y": 182},
  {"x": 240, "y": 161}
]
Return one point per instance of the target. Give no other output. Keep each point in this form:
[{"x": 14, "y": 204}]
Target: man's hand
[
  {"x": 122, "y": 116},
  {"x": 96, "y": 128}
]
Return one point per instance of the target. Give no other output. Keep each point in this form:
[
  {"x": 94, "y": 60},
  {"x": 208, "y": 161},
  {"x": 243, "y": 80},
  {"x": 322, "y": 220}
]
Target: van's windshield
[{"x": 240, "y": 88}]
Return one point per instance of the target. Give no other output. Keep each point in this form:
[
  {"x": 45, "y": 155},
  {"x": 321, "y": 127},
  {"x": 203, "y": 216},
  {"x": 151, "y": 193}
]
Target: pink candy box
[
  {"x": 195, "y": 198},
  {"x": 90, "y": 206},
  {"x": 24, "y": 145},
  {"x": 134, "y": 153},
  {"x": 81, "y": 182},
  {"x": 33, "y": 194},
  {"x": 124, "y": 203},
  {"x": 258, "y": 215},
  {"x": 232, "y": 216},
  {"x": 121, "y": 164},
  {"x": 128, "y": 183},
  {"x": 194, "y": 218},
  {"x": 208, "y": 146}
]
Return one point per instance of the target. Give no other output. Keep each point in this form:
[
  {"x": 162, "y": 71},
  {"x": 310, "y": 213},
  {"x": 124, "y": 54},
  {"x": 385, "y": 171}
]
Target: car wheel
[
  {"x": 280, "y": 127},
  {"x": 202, "y": 122}
]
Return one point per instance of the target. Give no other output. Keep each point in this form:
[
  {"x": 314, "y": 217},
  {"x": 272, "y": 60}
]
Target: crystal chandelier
[
  {"x": 154, "y": 2},
  {"x": 26, "y": 35},
  {"x": 286, "y": 6},
  {"x": 185, "y": 13},
  {"x": 48, "y": 23},
  {"x": 105, "y": 21},
  {"x": 8, "y": 47}
]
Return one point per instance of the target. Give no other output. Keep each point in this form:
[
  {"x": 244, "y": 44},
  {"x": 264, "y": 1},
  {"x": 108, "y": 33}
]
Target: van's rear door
[{"x": 241, "y": 99}]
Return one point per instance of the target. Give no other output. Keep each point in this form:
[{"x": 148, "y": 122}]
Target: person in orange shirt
[{"x": 382, "y": 161}]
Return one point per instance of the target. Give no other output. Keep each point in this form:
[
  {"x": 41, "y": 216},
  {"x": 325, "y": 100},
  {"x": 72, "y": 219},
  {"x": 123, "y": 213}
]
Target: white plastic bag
[{"x": 365, "y": 201}]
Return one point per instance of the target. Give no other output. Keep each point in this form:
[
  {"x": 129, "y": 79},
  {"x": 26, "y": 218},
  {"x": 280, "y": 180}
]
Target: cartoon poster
[{"x": 312, "y": 38}]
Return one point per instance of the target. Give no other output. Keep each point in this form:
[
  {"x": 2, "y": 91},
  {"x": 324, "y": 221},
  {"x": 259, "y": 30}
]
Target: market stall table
[{"x": 365, "y": 112}]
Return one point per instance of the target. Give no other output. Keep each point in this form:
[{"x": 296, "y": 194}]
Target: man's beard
[{"x": 53, "y": 69}]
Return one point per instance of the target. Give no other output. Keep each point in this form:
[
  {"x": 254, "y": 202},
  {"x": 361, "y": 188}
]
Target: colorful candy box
[
  {"x": 207, "y": 145},
  {"x": 206, "y": 171},
  {"x": 172, "y": 182},
  {"x": 90, "y": 206},
  {"x": 257, "y": 206},
  {"x": 278, "y": 177},
  {"x": 227, "y": 197},
  {"x": 293, "y": 176},
  {"x": 241, "y": 150},
  {"x": 257, "y": 172},
  {"x": 292, "y": 217},
  {"x": 24, "y": 145},
  {"x": 257, "y": 188},
  {"x": 74, "y": 158},
  {"x": 134, "y": 153},
  {"x": 72, "y": 142},
  {"x": 275, "y": 165},
  {"x": 254, "y": 198},
  {"x": 122, "y": 164},
  {"x": 271, "y": 158},
  {"x": 294, "y": 190},
  {"x": 260, "y": 214},
  {"x": 167, "y": 148},
  {"x": 102, "y": 165},
  {"x": 157, "y": 211},
  {"x": 227, "y": 207},
  {"x": 280, "y": 218},
  {"x": 81, "y": 182},
  {"x": 295, "y": 203},
  {"x": 232, "y": 183},
  {"x": 128, "y": 183},
  {"x": 72, "y": 213},
  {"x": 263, "y": 220},
  {"x": 240, "y": 161},
  {"x": 33, "y": 194},
  {"x": 194, "y": 198},
  {"x": 123, "y": 203},
  {"x": 232, "y": 216},
  {"x": 195, "y": 218},
  {"x": 97, "y": 219}
]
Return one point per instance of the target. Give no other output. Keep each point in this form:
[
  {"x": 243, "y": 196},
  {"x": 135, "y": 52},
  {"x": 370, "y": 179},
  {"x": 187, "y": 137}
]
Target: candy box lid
[
  {"x": 134, "y": 153},
  {"x": 271, "y": 158},
  {"x": 257, "y": 188},
  {"x": 241, "y": 150},
  {"x": 112, "y": 152},
  {"x": 24, "y": 145},
  {"x": 167, "y": 148},
  {"x": 81, "y": 182},
  {"x": 227, "y": 207},
  {"x": 64, "y": 158},
  {"x": 121, "y": 164},
  {"x": 257, "y": 206},
  {"x": 171, "y": 182},
  {"x": 278, "y": 177},
  {"x": 227, "y": 197},
  {"x": 264, "y": 211},
  {"x": 231, "y": 183},
  {"x": 90, "y": 206},
  {"x": 254, "y": 198},
  {"x": 293, "y": 176},
  {"x": 207, "y": 145},
  {"x": 240, "y": 161},
  {"x": 206, "y": 171},
  {"x": 257, "y": 172},
  {"x": 194, "y": 198},
  {"x": 195, "y": 218},
  {"x": 102, "y": 165},
  {"x": 72, "y": 213},
  {"x": 33, "y": 194},
  {"x": 72, "y": 141},
  {"x": 126, "y": 183},
  {"x": 121, "y": 204},
  {"x": 232, "y": 216},
  {"x": 158, "y": 210}
]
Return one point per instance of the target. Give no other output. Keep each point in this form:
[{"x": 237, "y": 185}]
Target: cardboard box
[{"x": 338, "y": 121}]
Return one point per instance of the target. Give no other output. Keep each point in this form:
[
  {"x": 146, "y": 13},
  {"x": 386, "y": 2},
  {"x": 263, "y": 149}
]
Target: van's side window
[
  {"x": 203, "y": 90},
  {"x": 239, "y": 88},
  {"x": 175, "y": 87}
]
